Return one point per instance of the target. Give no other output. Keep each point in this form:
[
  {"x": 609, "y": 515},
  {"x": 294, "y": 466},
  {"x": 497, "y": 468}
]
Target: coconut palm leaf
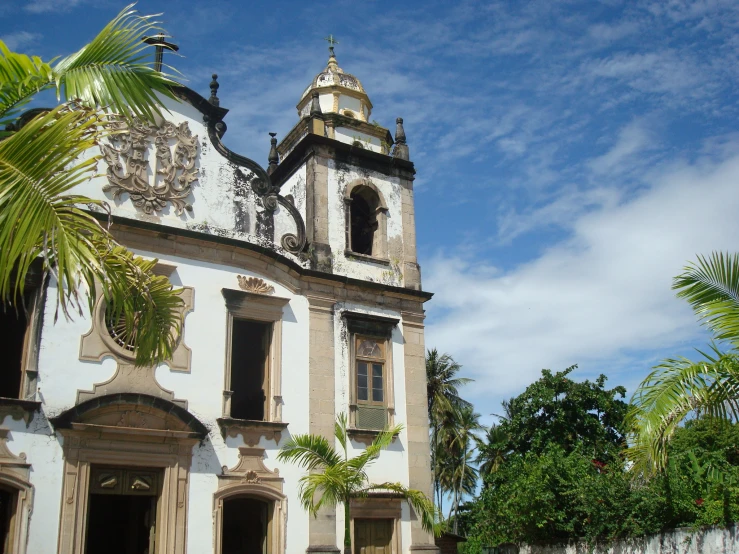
[
  {"x": 309, "y": 451},
  {"x": 43, "y": 157},
  {"x": 114, "y": 71},
  {"x": 21, "y": 77},
  {"x": 711, "y": 286},
  {"x": 674, "y": 389},
  {"x": 39, "y": 165},
  {"x": 421, "y": 504}
]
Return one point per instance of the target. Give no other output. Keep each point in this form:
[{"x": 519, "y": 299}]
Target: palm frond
[
  {"x": 711, "y": 286},
  {"x": 325, "y": 488},
  {"x": 309, "y": 451},
  {"x": 340, "y": 427},
  {"x": 674, "y": 389},
  {"x": 420, "y": 503},
  {"x": 21, "y": 77},
  {"x": 148, "y": 303},
  {"x": 372, "y": 452},
  {"x": 39, "y": 164},
  {"x": 115, "y": 70}
]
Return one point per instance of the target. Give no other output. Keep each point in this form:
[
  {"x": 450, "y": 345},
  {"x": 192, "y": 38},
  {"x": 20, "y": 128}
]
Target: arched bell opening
[{"x": 366, "y": 220}]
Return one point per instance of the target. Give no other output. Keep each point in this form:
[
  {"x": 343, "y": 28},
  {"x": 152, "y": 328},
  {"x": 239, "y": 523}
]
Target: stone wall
[{"x": 708, "y": 540}]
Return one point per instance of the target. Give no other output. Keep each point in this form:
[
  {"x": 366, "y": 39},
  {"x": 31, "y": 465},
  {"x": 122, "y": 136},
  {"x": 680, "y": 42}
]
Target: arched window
[{"x": 363, "y": 220}]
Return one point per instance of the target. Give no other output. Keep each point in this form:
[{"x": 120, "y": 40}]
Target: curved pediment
[{"x": 138, "y": 413}]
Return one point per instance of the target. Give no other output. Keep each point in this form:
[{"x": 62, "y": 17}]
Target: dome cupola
[{"x": 338, "y": 92}]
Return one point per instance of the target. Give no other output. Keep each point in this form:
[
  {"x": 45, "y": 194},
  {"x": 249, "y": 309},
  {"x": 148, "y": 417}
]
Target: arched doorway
[{"x": 246, "y": 525}]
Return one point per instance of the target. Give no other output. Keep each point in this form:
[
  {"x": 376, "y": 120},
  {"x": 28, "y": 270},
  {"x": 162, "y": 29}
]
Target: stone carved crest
[
  {"x": 254, "y": 284},
  {"x": 251, "y": 477},
  {"x": 151, "y": 183}
]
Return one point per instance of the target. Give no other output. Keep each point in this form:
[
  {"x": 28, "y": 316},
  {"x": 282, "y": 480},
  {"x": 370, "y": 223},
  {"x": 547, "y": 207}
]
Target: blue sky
[{"x": 571, "y": 155}]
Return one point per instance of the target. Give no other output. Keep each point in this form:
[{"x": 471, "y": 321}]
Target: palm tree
[
  {"x": 336, "y": 478},
  {"x": 679, "y": 386},
  {"x": 44, "y": 154},
  {"x": 444, "y": 402},
  {"x": 460, "y": 445},
  {"x": 492, "y": 450}
]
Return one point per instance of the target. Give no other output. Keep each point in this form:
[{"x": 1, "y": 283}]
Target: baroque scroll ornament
[{"x": 173, "y": 174}]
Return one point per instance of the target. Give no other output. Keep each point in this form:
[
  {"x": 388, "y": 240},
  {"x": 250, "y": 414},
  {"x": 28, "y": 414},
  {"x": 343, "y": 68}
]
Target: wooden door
[{"x": 373, "y": 536}]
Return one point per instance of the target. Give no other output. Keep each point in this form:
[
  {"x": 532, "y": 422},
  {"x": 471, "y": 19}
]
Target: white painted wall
[
  {"x": 348, "y": 135},
  {"x": 61, "y": 375}
]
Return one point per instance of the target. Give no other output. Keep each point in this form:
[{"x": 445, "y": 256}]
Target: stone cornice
[
  {"x": 188, "y": 237},
  {"x": 310, "y": 144}
]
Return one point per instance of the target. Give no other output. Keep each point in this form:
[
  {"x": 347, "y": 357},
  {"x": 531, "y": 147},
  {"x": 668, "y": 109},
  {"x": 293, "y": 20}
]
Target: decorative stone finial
[
  {"x": 315, "y": 105},
  {"x": 401, "y": 148},
  {"x": 274, "y": 157},
  {"x": 214, "y": 91}
]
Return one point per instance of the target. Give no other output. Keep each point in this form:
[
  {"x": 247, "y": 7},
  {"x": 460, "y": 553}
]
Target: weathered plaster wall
[
  {"x": 349, "y": 136},
  {"x": 222, "y": 198},
  {"x": 339, "y": 177},
  {"x": 710, "y": 540}
]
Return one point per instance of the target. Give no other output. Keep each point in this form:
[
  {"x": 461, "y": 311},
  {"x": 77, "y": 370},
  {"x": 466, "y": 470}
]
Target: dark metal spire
[
  {"x": 274, "y": 157},
  {"x": 214, "y": 91},
  {"x": 160, "y": 44},
  {"x": 401, "y": 148}
]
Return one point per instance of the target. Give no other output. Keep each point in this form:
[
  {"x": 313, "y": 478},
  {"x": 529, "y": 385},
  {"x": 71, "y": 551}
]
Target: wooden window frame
[
  {"x": 379, "y": 328},
  {"x": 371, "y": 362},
  {"x": 242, "y": 305}
]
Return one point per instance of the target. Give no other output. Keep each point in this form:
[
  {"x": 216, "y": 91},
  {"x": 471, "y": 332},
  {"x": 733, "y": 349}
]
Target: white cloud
[
  {"x": 19, "y": 39},
  {"x": 44, "y": 6},
  {"x": 633, "y": 139},
  {"x": 597, "y": 298}
]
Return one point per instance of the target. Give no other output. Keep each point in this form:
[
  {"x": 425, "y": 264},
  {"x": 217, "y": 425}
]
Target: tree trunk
[{"x": 347, "y": 528}]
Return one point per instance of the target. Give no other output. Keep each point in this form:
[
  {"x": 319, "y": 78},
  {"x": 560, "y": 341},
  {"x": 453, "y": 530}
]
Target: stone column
[
  {"x": 417, "y": 424},
  {"x": 321, "y": 382}
]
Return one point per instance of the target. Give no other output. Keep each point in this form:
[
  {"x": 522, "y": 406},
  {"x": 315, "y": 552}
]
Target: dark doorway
[
  {"x": 245, "y": 525},
  {"x": 249, "y": 352},
  {"x": 8, "y": 501},
  {"x": 122, "y": 510},
  {"x": 120, "y": 524},
  {"x": 13, "y": 326}
]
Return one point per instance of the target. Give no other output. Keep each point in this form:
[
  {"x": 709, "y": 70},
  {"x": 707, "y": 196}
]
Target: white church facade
[{"x": 303, "y": 300}]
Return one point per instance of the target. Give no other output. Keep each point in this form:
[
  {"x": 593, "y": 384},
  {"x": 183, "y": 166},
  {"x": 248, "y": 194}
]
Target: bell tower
[{"x": 352, "y": 181}]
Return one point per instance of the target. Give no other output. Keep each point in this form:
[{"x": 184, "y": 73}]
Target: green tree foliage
[
  {"x": 45, "y": 154},
  {"x": 545, "y": 482},
  {"x": 557, "y": 496},
  {"x": 558, "y": 410},
  {"x": 446, "y": 410},
  {"x": 334, "y": 478},
  {"x": 679, "y": 386}
]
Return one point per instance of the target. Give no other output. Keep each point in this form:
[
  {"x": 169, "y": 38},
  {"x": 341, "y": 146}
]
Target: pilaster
[
  {"x": 321, "y": 382},
  {"x": 417, "y": 423}
]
